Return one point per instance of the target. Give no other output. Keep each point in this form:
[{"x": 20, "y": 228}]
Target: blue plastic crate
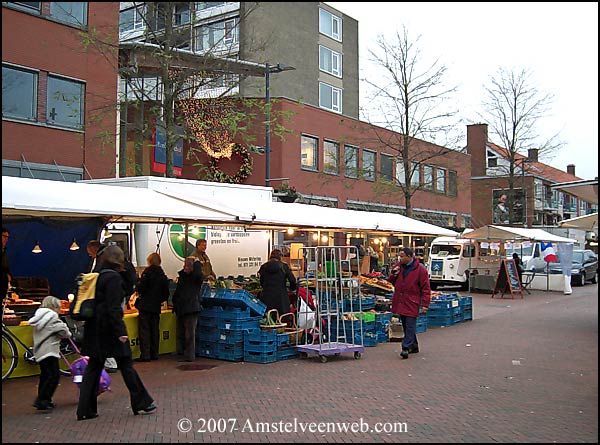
[
  {"x": 260, "y": 346},
  {"x": 233, "y": 352},
  {"x": 227, "y": 336},
  {"x": 383, "y": 317},
  {"x": 382, "y": 337},
  {"x": 233, "y": 324},
  {"x": 207, "y": 349},
  {"x": 259, "y": 335},
  {"x": 260, "y": 357},
  {"x": 211, "y": 311},
  {"x": 440, "y": 320},
  {"x": 368, "y": 339},
  {"x": 207, "y": 321},
  {"x": 239, "y": 298},
  {"x": 207, "y": 334},
  {"x": 287, "y": 353},
  {"x": 235, "y": 313},
  {"x": 467, "y": 314},
  {"x": 284, "y": 340}
]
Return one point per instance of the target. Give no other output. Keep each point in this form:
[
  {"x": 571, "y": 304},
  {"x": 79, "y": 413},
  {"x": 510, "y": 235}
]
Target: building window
[
  {"x": 415, "y": 179},
  {"x": 330, "y": 25},
  {"x": 428, "y": 177},
  {"x": 72, "y": 13},
  {"x": 440, "y": 180},
  {"x": 34, "y": 7},
  {"x": 492, "y": 159},
  {"x": 65, "y": 102},
  {"x": 216, "y": 35},
  {"x": 207, "y": 5},
  {"x": 351, "y": 161},
  {"x": 309, "y": 153},
  {"x": 369, "y": 161},
  {"x": 132, "y": 19},
  {"x": 386, "y": 169},
  {"x": 19, "y": 94},
  {"x": 181, "y": 15},
  {"x": 330, "y": 61},
  {"x": 330, "y": 97},
  {"x": 331, "y": 157},
  {"x": 452, "y": 186},
  {"x": 400, "y": 172}
]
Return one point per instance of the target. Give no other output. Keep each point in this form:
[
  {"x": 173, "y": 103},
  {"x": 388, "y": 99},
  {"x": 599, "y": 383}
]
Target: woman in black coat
[
  {"x": 105, "y": 335},
  {"x": 186, "y": 304},
  {"x": 152, "y": 289},
  {"x": 274, "y": 276}
]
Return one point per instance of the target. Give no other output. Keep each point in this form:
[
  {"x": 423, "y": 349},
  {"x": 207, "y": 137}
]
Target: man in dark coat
[
  {"x": 412, "y": 295},
  {"x": 105, "y": 336},
  {"x": 274, "y": 276},
  {"x": 186, "y": 305},
  {"x": 152, "y": 289}
]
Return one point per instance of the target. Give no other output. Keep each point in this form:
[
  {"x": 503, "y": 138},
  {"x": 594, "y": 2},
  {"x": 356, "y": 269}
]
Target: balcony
[{"x": 551, "y": 204}]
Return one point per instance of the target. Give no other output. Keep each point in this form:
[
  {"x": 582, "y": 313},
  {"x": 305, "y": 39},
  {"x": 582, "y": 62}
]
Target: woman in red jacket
[{"x": 411, "y": 296}]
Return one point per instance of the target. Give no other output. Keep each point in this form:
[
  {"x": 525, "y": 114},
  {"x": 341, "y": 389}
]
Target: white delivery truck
[
  {"x": 452, "y": 260},
  {"x": 232, "y": 250}
]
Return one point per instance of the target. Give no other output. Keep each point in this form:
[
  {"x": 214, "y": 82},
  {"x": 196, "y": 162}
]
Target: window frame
[
  {"x": 334, "y": 90},
  {"x": 347, "y": 172},
  {"x": 52, "y": 121},
  {"x": 333, "y": 57},
  {"x": 383, "y": 175},
  {"x": 399, "y": 179},
  {"x": 77, "y": 24},
  {"x": 35, "y": 88},
  {"x": 428, "y": 185},
  {"x": 328, "y": 144},
  {"x": 443, "y": 176},
  {"x": 333, "y": 20},
  {"x": 138, "y": 22},
  {"x": 315, "y": 166},
  {"x": 415, "y": 174},
  {"x": 373, "y": 173}
]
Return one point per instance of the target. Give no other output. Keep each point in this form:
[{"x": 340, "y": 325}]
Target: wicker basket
[
  {"x": 12, "y": 321},
  {"x": 273, "y": 322},
  {"x": 293, "y": 331}
]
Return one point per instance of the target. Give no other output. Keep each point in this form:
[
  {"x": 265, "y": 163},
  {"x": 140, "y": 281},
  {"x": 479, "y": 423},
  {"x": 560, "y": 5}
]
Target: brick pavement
[{"x": 521, "y": 371}]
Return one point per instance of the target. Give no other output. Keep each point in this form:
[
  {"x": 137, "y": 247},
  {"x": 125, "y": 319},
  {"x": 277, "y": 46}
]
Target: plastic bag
[
  {"x": 306, "y": 316},
  {"x": 78, "y": 369}
]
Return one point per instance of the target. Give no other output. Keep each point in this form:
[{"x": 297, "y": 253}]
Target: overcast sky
[{"x": 558, "y": 42}]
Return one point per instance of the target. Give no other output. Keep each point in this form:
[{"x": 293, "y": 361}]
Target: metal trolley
[{"x": 337, "y": 298}]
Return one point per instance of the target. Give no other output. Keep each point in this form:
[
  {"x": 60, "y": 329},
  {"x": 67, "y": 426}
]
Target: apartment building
[
  {"x": 535, "y": 202},
  {"x": 59, "y": 89}
]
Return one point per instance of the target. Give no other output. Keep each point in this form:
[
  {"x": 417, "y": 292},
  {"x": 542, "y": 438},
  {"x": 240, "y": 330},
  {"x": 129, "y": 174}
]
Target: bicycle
[{"x": 10, "y": 352}]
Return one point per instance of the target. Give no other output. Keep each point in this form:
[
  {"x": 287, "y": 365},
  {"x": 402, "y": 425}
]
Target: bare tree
[
  {"x": 513, "y": 108},
  {"x": 410, "y": 101}
]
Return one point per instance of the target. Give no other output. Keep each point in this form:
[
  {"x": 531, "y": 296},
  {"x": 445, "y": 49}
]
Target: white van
[
  {"x": 530, "y": 254},
  {"x": 452, "y": 260}
]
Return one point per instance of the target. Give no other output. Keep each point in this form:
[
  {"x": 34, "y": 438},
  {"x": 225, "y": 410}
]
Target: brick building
[{"x": 58, "y": 92}]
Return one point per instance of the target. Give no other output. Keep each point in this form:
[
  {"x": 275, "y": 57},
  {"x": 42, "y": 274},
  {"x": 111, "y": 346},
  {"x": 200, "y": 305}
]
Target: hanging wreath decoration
[{"x": 242, "y": 174}]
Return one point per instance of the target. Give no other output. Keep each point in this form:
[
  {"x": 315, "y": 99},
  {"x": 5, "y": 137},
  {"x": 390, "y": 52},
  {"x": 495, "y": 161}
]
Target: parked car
[{"x": 583, "y": 268}]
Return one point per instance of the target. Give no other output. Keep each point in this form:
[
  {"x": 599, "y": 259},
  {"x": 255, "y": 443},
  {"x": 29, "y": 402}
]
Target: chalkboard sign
[{"x": 508, "y": 278}]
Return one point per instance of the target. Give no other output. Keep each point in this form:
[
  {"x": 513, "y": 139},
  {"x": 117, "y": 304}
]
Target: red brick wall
[{"x": 35, "y": 42}]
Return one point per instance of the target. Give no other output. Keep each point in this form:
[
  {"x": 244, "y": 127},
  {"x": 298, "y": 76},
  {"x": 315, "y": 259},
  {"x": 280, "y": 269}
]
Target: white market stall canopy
[
  {"x": 586, "y": 222},
  {"x": 38, "y": 197},
  {"x": 501, "y": 233},
  {"x": 268, "y": 214},
  {"x": 162, "y": 204}
]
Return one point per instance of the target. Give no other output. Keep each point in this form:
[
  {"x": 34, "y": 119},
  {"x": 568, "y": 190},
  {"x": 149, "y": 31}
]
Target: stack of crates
[
  {"x": 466, "y": 303},
  {"x": 227, "y": 314},
  {"x": 382, "y": 321},
  {"x": 445, "y": 310},
  {"x": 260, "y": 346},
  {"x": 352, "y": 330}
]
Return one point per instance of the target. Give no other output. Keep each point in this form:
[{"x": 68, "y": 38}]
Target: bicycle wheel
[
  {"x": 9, "y": 356},
  {"x": 67, "y": 349}
]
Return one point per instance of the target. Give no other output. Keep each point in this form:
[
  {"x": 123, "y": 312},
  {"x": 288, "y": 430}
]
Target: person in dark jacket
[
  {"x": 186, "y": 305},
  {"x": 105, "y": 336},
  {"x": 274, "y": 276},
  {"x": 412, "y": 295},
  {"x": 152, "y": 289}
]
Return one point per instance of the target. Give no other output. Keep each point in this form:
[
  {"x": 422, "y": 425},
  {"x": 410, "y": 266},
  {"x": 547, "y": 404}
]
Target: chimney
[
  {"x": 571, "y": 169},
  {"x": 477, "y": 139},
  {"x": 532, "y": 155}
]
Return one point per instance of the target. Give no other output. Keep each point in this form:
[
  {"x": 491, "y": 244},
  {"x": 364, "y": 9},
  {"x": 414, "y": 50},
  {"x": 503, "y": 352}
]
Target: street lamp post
[{"x": 268, "y": 70}]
